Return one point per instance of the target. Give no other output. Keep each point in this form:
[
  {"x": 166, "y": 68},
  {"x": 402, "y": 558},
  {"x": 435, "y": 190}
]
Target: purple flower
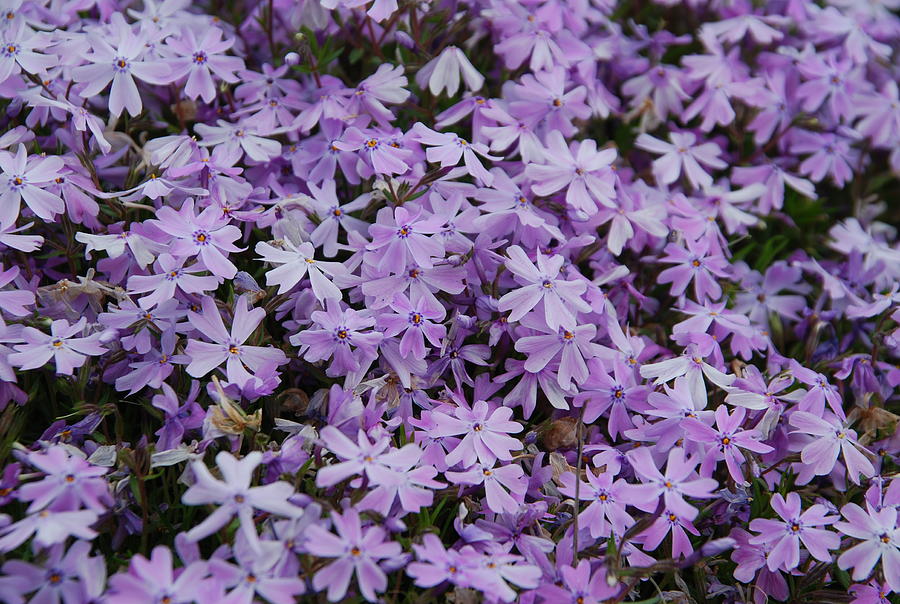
[
  {"x": 156, "y": 366},
  {"x": 606, "y": 513},
  {"x": 416, "y": 319},
  {"x": 178, "y": 418},
  {"x": 783, "y": 538},
  {"x": 19, "y": 43},
  {"x": 49, "y": 527},
  {"x": 68, "y": 352},
  {"x": 574, "y": 346},
  {"x": 119, "y": 60},
  {"x": 725, "y": 441},
  {"x": 697, "y": 263},
  {"x": 670, "y": 522},
  {"x": 401, "y": 476},
  {"x": 560, "y": 297},
  {"x": 206, "y": 235},
  {"x": 235, "y": 496},
  {"x": 682, "y": 155},
  {"x": 830, "y": 439},
  {"x": 357, "y": 458},
  {"x": 486, "y": 433},
  {"x": 444, "y": 71},
  {"x": 504, "y": 485},
  {"x": 674, "y": 485},
  {"x": 29, "y": 178},
  {"x": 382, "y": 156},
  {"x": 821, "y": 392},
  {"x": 154, "y": 580},
  {"x": 386, "y": 85},
  {"x": 334, "y": 216},
  {"x": 542, "y": 96},
  {"x": 447, "y": 149},
  {"x": 580, "y": 585},
  {"x": 580, "y": 168},
  {"x": 173, "y": 276},
  {"x": 229, "y": 348},
  {"x": 341, "y": 335},
  {"x": 409, "y": 237},
  {"x": 70, "y": 482},
  {"x": 65, "y": 576},
  {"x": 293, "y": 263},
  {"x": 613, "y": 395},
  {"x": 198, "y": 60},
  {"x": 880, "y": 541},
  {"x": 436, "y": 564},
  {"x": 256, "y": 575},
  {"x": 357, "y": 551}
]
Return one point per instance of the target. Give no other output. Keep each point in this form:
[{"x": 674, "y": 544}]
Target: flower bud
[{"x": 292, "y": 58}]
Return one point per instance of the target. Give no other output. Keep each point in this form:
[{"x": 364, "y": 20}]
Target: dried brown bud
[
  {"x": 560, "y": 434},
  {"x": 185, "y": 110},
  {"x": 228, "y": 417},
  {"x": 294, "y": 402}
]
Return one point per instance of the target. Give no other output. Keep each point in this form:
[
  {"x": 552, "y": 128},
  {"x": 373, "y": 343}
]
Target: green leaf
[{"x": 770, "y": 250}]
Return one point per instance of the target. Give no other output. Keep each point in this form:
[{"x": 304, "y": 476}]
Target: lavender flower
[
  {"x": 357, "y": 551},
  {"x": 235, "y": 496}
]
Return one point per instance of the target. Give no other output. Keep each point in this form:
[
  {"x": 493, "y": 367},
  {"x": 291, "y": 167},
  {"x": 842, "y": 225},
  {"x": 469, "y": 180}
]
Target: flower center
[
  {"x": 342, "y": 334},
  {"x": 404, "y": 231},
  {"x": 234, "y": 349},
  {"x": 239, "y": 498},
  {"x": 70, "y": 478},
  {"x": 201, "y": 237},
  {"x": 57, "y": 343},
  {"x": 372, "y": 143},
  {"x": 355, "y": 551},
  {"x": 547, "y": 284},
  {"x": 415, "y": 318},
  {"x": 120, "y": 64},
  {"x": 200, "y": 57},
  {"x": 726, "y": 441}
]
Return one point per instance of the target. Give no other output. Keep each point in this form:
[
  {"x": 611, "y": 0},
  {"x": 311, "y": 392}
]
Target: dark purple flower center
[{"x": 201, "y": 237}]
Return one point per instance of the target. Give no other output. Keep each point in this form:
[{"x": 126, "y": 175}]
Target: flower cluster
[{"x": 496, "y": 300}]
